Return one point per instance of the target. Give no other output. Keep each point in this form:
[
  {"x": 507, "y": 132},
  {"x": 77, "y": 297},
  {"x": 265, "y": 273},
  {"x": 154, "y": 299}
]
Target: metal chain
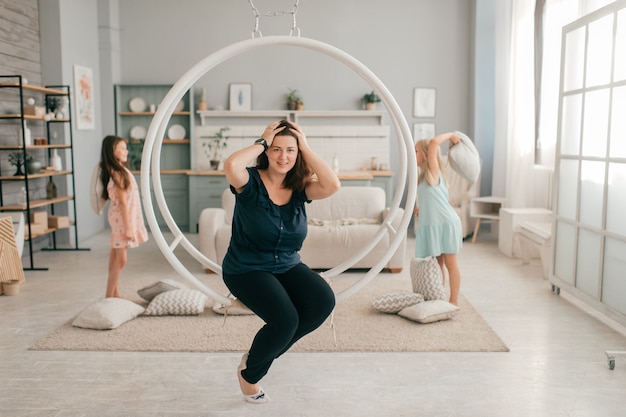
[{"x": 294, "y": 27}]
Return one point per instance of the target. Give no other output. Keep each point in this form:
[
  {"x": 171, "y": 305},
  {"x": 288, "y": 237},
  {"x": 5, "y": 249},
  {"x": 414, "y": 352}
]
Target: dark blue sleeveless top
[{"x": 265, "y": 236}]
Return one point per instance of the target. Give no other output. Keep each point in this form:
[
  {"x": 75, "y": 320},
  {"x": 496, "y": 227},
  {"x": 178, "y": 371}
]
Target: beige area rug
[{"x": 358, "y": 327}]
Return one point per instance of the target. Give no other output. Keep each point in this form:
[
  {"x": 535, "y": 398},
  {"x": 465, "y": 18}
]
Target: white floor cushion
[
  {"x": 107, "y": 314},
  {"x": 429, "y": 311}
]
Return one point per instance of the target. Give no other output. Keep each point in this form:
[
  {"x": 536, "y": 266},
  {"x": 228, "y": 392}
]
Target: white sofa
[{"x": 339, "y": 226}]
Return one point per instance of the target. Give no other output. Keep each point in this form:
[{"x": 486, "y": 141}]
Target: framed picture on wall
[
  {"x": 240, "y": 97},
  {"x": 423, "y": 131},
  {"x": 83, "y": 93},
  {"x": 424, "y": 102}
]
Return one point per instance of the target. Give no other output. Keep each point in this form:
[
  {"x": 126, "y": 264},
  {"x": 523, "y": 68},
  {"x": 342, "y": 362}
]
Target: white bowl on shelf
[
  {"x": 176, "y": 132},
  {"x": 137, "y": 105}
]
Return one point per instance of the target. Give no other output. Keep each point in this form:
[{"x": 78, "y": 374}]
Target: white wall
[
  {"x": 410, "y": 44},
  {"x": 484, "y": 88},
  {"x": 406, "y": 43},
  {"x": 69, "y": 36}
]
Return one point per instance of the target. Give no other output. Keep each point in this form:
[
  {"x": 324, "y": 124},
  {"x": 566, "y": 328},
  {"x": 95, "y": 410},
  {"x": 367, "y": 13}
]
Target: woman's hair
[
  {"x": 110, "y": 165},
  {"x": 297, "y": 177},
  {"x": 426, "y": 173}
]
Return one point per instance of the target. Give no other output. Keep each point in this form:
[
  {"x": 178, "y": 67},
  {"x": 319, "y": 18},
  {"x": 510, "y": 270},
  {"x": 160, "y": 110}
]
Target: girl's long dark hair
[
  {"x": 109, "y": 165},
  {"x": 299, "y": 175}
]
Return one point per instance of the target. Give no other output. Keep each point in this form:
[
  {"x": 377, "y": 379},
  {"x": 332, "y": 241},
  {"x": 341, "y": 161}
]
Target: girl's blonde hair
[{"x": 426, "y": 173}]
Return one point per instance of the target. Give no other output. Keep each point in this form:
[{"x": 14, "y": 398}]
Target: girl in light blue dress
[{"x": 439, "y": 227}]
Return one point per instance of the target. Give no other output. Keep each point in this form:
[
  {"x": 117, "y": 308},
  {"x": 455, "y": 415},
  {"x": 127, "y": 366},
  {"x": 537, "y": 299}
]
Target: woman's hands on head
[
  {"x": 271, "y": 131},
  {"x": 297, "y": 130}
]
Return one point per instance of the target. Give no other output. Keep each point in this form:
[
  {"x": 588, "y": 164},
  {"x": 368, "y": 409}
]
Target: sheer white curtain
[
  {"x": 520, "y": 111},
  {"x": 515, "y": 105},
  {"x": 557, "y": 13}
]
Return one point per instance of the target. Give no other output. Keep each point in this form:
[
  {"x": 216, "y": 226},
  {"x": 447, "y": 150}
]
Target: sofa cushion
[
  {"x": 348, "y": 203},
  {"x": 330, "y": 246}
]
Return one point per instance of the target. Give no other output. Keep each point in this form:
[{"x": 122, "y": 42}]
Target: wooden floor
[{"x": 556, "y": 365}]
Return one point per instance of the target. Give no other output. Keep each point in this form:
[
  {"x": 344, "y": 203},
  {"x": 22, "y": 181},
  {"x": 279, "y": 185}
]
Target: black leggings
[{"x": 291, "y": 304}]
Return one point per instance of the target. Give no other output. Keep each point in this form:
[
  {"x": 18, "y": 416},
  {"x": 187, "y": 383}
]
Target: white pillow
[
  {"x": 181, "y": 302},
  {"x": 95, "y": 191},
  {"x": 396, "y": 300},
  {"x": 426, "y": 278},
  {"x": 107, "y": 314},
  {"x": 429, "y": 311},
  {"x": 464, "y": 158}
]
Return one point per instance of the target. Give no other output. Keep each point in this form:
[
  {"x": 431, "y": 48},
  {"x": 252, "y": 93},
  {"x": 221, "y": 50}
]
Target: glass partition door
[{"x": 590, "y": 200}]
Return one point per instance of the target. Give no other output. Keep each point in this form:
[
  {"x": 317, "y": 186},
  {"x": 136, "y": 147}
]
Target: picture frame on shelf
[
  {"x": 83, "y": 92},
  {"x": 424, "y": 102},
  {"x": 423, "y": 131},
  {"x": 240, "y": 97}
]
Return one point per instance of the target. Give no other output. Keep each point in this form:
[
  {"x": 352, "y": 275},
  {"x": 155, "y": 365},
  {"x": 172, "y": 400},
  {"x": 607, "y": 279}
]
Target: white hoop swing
[{"x": 152, "y": 153}]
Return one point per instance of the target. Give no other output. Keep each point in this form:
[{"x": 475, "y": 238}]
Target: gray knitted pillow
[
  {"x": 395, "y": 301},
  {"x": 426, "y": 278},
  {"x": 182, "y": 302}
]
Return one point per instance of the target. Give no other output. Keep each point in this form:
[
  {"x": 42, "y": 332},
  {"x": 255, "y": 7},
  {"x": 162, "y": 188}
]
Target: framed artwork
[
  {"x": 424, "y": 102},
  {"x": 240, "y": 97},
  {"x": 83, "y": 93},
  {"x": 423, "y": 131}
]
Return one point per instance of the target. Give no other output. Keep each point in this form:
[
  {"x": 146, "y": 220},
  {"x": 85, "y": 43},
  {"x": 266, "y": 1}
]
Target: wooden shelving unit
[{"x": 65, "y": 143}]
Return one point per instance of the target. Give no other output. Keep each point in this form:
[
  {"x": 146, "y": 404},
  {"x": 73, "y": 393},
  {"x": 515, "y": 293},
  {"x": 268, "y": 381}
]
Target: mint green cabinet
[
  {"x": 135, "y": 106},
  {"x": 204, "y": 191}
]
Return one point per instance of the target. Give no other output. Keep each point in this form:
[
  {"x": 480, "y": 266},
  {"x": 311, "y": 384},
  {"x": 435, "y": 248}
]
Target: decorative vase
[
  {"x": 51, "y": 190},
  {"x": 215, "y": 164},
  {"x": 22, "y": 197},
  {"x": 55, "y": 161},
  {"x": 27, "y": 138},
  {"x": 33, "y": 166}
]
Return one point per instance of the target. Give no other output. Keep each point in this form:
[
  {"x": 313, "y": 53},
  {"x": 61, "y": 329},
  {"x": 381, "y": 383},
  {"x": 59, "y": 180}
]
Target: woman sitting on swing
[{"x": 262, "y": 266}]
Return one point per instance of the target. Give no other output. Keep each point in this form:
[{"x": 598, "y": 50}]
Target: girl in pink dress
[{"x": 125, "y": 218}]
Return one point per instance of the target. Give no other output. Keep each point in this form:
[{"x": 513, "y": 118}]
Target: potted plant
[
  {"x": 135, "y": 150},
  {"x": 214, "y": 146},
  {"x": 370, "y": 100},
  {"x": 294, "y": 100}
]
